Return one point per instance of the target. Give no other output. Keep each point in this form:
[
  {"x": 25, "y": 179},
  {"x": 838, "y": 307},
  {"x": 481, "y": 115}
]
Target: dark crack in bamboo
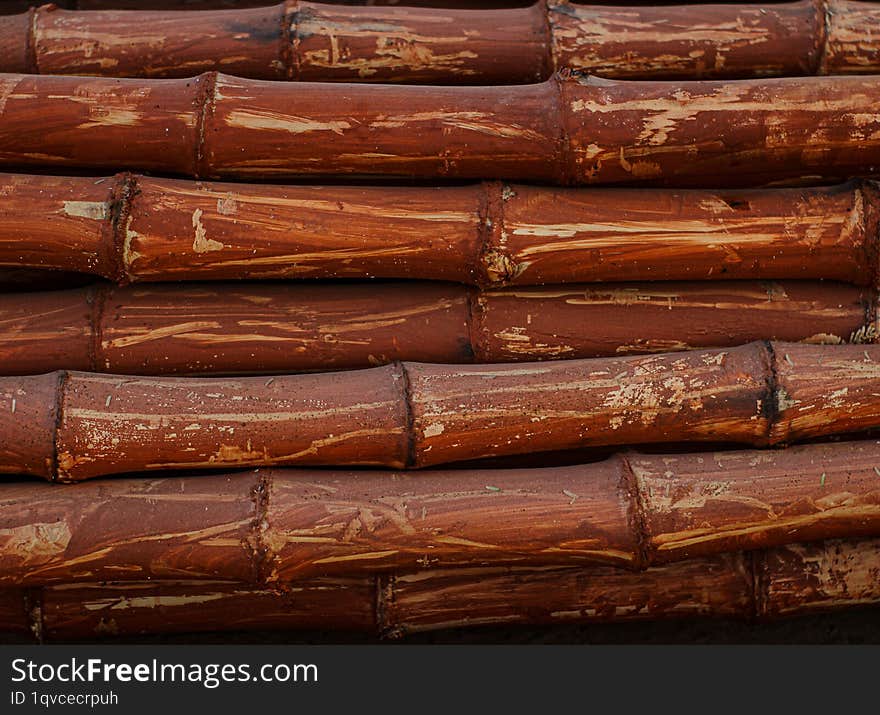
[
  {"x": 308, "y": 41},
  {"x": 70, "y": 426},
  {"x": 565, "y": 130},
  {"x": 268, "y": 526},
  {"x": 143, "y": 229},
  {"x": 257, "y": 328}
]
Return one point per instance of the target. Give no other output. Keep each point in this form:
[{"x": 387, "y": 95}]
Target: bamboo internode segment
[
  {"x": 136, "y": 228},
  {"x": 240, "y": 328},
  {"x": 70, "y": 426},
  {"x": 268, "y": 527},
  {"x": 308, "y": 41},
  {"x": 789, "y": 580},
  {"x": 567, "y": 131}
]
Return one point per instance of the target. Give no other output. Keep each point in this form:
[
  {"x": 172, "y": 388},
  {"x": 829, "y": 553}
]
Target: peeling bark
[
  {"x": 144, "y": 229},
  {"x": 568, "y": 131},
  {"x": 10, "y": 6},
  {"x": 70, "y": 426},
  {"x": 241, "y": 328},
  {"x": 306, "y": 41},
  {"x": 784, "y": 581},
  {"x": 273, "y": 527}
]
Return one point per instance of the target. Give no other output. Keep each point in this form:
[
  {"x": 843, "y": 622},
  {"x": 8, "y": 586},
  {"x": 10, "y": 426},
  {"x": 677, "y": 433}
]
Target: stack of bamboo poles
[{"x": 403, "y": 400}]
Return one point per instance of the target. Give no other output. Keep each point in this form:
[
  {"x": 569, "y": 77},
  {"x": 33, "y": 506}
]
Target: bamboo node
[
  {"x": 632, "y": 488},
  {"x": 33, "y": 602},
  {"x": 500, "y": 268},
  {"x": 121, "y": 236},
  {"x": 257, "y": 542}
]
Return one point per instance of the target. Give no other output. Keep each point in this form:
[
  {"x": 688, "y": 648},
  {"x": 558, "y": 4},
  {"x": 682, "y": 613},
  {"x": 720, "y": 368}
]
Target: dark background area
[{"x": 855, "y": 626}]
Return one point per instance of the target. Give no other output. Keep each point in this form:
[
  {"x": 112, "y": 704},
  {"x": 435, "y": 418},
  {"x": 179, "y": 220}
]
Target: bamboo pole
[
  {"x": 268, "y": 527},
  {"x": 244, "y": 328},
  {"x": 308, "y": 41},
  {"x": 70, "y": 426},
  {"x": 567, "y": 131},
  {"x": 785, "y": 581},
  {"x": 137, "y": 228},
  {"x": 10, "y": 6},
  {"x": 14, "y": 6}
]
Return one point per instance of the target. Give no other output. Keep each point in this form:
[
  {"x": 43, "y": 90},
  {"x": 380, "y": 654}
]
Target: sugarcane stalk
[
  {"x": 246, "y": 328},
  {"x": 70, "y": 426},
  {"x": 137, "y": 228},
  {"x": 565, "y": 130},
  {"x": 267, "y": 527},
  {"x": 308, "y": 41},
  {"x": 796, "y": 579}
]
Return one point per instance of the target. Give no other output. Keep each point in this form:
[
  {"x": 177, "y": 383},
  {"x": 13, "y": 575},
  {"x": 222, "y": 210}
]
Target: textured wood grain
[
  {"x": 784, "y": 581},
  {"x": 565, "y": 130},
  {"x": 275, "y": 526},
  {"x": 108, "y": 610},
  {"x": 12, "y": 6},
  {"x": 136, "y": 228},
  {"x": 70, "y": 426},
  {"x": 247, "y": 328},
  {"x": 291, "y": 40},
  {"x": 310, "y": 41}
]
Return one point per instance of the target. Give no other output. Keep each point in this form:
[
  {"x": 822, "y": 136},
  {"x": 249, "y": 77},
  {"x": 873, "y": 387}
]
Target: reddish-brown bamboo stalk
[
  {"x": 70, "y": 426},
  {"x": 136, "y": 228},
  {"x": 567, "y": 131},
  {"x": 10, "y": 6},
  {"x": 307, "y": 41},
  {"x": 240, "y": 328},
  {"x": 784, "y": 581},
  {"x": 14, "y": 6},
  {"x": 275, "y": 526}
]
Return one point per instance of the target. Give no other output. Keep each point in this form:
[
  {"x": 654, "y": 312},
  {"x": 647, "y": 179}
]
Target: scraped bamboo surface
[
  {"x": 11, "y": 6},
  {"x": 269, "y": 527},
  {"x": 310, "y": 41},
  {"x": 70, "y": 426},
  {"x": 784, "y": 581},
  {"x": 571, "y": 130},
  {"x": 253, "y": 328},
  {"x": 749, "y": 533},
  {"x": 144, "y": 229}
]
